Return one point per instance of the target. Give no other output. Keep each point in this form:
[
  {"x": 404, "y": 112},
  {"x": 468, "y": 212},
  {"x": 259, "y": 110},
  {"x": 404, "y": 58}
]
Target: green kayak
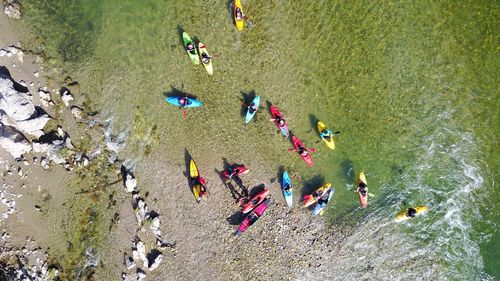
[{"x": 192, "y": 53}]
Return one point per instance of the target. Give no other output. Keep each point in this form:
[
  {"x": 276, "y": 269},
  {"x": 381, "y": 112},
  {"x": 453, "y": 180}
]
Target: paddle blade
[
  {"x": 319, "y": 141},
  {"x": 184, "y": 113},
  {"x": 312, "y": 149},
  {"x": 291, "y": 149}
]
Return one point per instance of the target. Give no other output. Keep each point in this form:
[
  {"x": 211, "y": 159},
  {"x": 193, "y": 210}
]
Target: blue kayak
[
  {"x": 321, "y": 205},
  {"x": 286, "y": 182},
  {"x": 190, "y": 102},
  {"x": 250, "y": 112}
]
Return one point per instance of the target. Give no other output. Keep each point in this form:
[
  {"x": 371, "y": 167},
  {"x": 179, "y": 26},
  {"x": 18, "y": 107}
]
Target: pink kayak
[
  {"x": 252, "y": 217},
  {"x": 306, "y": 156}
]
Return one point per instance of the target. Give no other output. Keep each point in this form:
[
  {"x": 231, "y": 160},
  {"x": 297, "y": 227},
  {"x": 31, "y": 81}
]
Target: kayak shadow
[
  {"x": 230, "y": 5},
  {"x": 175, "y": 92},
  {"x": 236, "y": 218},
  {"x": 314, "y": 121},
  {"x": 311, "y": 184},
  {"x": 180, "y": 30},
  {"x": 188, "y": 158},
  {"x": 256, "y": 189}
]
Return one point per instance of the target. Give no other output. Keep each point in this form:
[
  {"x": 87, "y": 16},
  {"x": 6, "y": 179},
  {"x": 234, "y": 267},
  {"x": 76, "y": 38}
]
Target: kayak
[
  {"x": 313, "y": 198},
  {"x": 363, "y": 199},
  {"x": 208, "y": 66},
  {"x": 239, "y": 22},
  {"x": 235, "y": 171},
  {"x": 251, "y": 218},
  {"x": 250, "y": 114},
  {"x": 276, "y": 114},
  {"x": 199, "y": 188},
  {"x": 186, "y": 40},
  {"x": 307, "y": 158},
  {"x": 403, "y": 215},
  {"x": 286, "y": 182},
  {"x": 318, "y": 208},
  {"x": 256, "y": 200},
  {"x": 329, "y": 142},
  {"x": 190, "y": 101}
]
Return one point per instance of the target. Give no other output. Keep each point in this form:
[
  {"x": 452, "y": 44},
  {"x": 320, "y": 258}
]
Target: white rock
[
  {"x": 17, "y": 105},
  {"x": 26, "y": 163},
  {"x": 36, "y": 74},
  {"x": 66, "y": 98},
  {"x": 130, "y": 183},
  {"x": 85, "y": 161},
  {"x": 141, "y": 250},
  {"x": 140, "y": 274},
  {"x": 44, "y": 163},
  {"x": 129, "y": 262},
  {"x": 20, "y": 56},
  {"x": 77, "y": 112},
  {"x": 22, "y": 83},
  {"x": 33, "y": 126},
  {"x": 3, "y": 52},
  {"x": 13, "y": 49},
  {"x": 12, "y": 11},
  {"x": 156, "y": 262},
  {"x": 13, "y": 141},
  {"x": 135, "y": 255},
  {"x": 60, "y": 131},
  {"x": 9, "y": 54}
]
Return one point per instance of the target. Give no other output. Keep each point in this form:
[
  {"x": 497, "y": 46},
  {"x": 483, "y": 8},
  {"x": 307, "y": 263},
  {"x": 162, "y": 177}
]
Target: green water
[{"x": 412, "y": 86}]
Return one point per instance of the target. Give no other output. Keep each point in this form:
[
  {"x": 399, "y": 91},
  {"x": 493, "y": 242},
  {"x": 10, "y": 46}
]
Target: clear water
[{"x": 412, "y": 86}]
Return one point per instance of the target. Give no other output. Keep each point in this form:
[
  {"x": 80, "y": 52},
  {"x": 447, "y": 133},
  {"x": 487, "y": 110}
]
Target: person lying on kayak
[
  {"x": 302, "y": 151},
  {"x": 205, "y": 58},
  {"x": 252, "y": 108},
  {"x": 411, "y": 213},
  {"x": 324, "y": 199},
  {"x": 190, "y": 48},
  {"x": 326, "y": 134},
  {"x": 239, "y": 14},
  {"x": 362, "y": 188}
]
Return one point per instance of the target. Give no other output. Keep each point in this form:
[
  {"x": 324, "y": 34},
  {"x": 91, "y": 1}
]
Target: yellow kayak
[
  {"x": 203, "y": 50},
  {"x": 406, "y": 214},
  {"x": 239, "y": 22},
  {"x": 199, "y": 189},
  {"x": 329, "y": 142},
  {"x": 312, "y": 198}
]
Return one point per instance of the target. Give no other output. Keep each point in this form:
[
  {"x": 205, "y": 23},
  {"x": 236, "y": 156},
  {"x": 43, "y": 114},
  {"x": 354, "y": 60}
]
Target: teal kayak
[
  {"x": 252, "y": 109},
  {"x": 189, "y": 102},
  {"x": 286, "y": 185}
]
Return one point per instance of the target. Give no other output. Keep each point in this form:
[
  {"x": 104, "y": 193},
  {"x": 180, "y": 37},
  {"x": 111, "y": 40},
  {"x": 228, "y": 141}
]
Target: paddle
[
  {"x": 312, "y": 149},
  {"x": 337, "y": 132},
  {"x": 184, "y": 113}
]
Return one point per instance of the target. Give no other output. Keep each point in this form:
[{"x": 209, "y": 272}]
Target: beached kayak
[
  {"x": 199, "y": 189},
  {"x": 238, "y": 7},
  {"x": 252, "y": 109},
  {"x": 329, "y": 142},
  {"x": 203, "y": 52},
  {"x": 306, "y": 156},
  {"x": 252, "y": 217},
  {"x": 286, "y": 185},
  {"x": 313, "y": 198},
  {"x": 321, "y": 204},
  {"x": 363, "y": 197},
  {"x": 193, "y": 54},
  {"x": 190, "y": 102},
  {"x": 276, "y": 114},
  {"x": 406, "y": 214},
  {"x": 235, "y": 171},
  {"x": 256, "y": 200}
]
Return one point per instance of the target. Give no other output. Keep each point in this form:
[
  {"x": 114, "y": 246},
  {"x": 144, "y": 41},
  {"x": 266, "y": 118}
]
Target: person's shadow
[
  {"x": 175, "y": 92},
  {"x": 229, "y": 185}
]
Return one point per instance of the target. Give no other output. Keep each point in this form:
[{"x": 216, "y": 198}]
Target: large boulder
[
  {"x": 15, "y": 100},
  {"x": 13, "y": 141}
]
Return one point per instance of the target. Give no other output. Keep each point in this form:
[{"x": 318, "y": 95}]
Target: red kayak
[
  {"x": 362, "y": 190},
  {"x": 277, "y": 116},
  {"x": 235, "y": 171},
  {"x": 302, "y": 150},
  {"x": 256, "y": 200},
  {"x": 252, "y": 217}
]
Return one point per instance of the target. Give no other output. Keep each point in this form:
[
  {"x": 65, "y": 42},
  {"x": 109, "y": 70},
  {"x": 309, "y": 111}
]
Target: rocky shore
[{"x": 57, "y": 156}]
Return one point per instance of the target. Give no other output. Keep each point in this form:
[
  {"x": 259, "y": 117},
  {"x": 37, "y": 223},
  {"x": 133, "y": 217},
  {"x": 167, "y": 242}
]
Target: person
[
  {"x": 363, "y": 189},
  {"x": 205, "y": 58},
  {"x": 190, "y": 48},
  {"x": 288, "y": 188},
  {"x": 281, "y": 122},
  {"x": 252, "y": 108},
  {"x": 323, "y": 200},
  {"x": 326, "y": 134},
  {"x": 411, "y": 213},
  {"x": 239, "y": 14},
  {"x": 302, "y": 151},
  {"x": 182, "y": 101},
  {"x": 317, "y": 194}
]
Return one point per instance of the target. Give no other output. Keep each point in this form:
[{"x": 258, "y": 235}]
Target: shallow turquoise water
[{"x": 411, "y": 86}]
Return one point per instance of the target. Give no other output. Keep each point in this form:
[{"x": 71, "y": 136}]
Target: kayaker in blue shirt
[{"x": 326, "y": 134}]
